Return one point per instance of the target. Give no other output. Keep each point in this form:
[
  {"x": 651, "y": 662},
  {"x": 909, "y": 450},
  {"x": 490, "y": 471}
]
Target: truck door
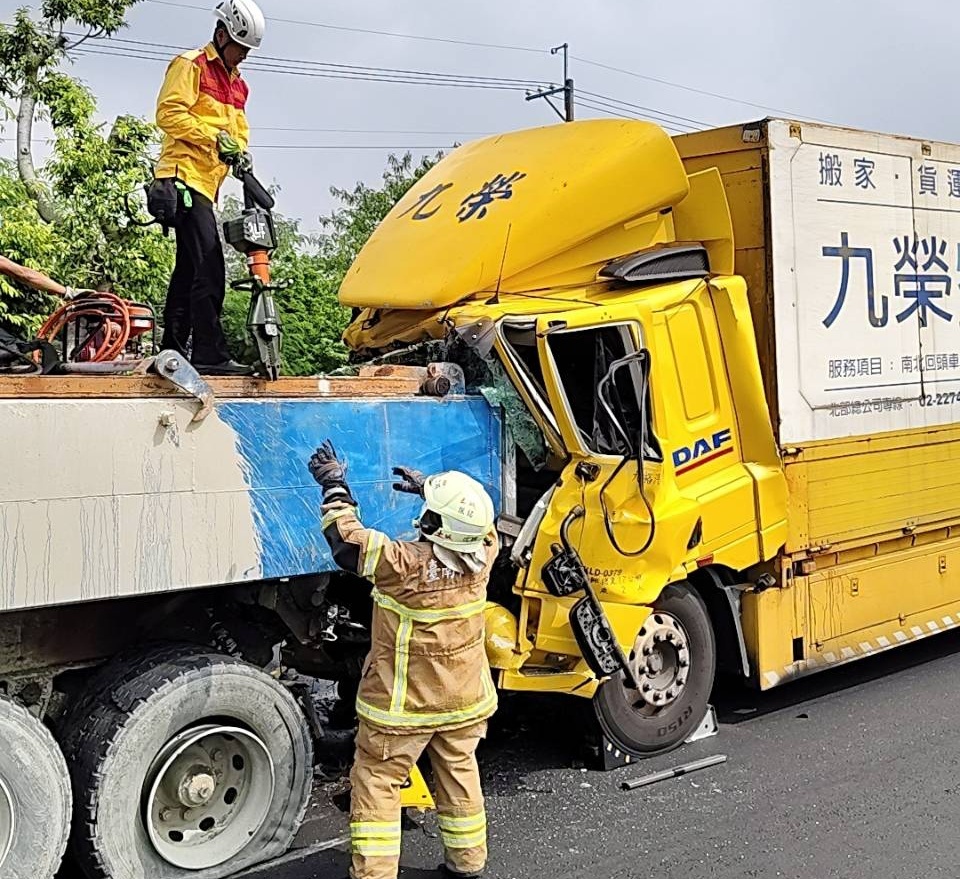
[{"x": 606, "y": 422}]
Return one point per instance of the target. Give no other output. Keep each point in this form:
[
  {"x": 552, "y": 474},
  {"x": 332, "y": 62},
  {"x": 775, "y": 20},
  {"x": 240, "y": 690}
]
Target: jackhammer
[{"x": 253, "y": 234}]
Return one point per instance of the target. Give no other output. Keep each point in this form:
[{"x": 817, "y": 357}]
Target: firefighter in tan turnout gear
[{"x": 426, "y": 683}]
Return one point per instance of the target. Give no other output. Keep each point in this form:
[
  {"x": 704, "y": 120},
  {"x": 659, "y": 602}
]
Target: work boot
[
  {"x": 225, "y": 367},
  {"x": 456, "y": 874}
]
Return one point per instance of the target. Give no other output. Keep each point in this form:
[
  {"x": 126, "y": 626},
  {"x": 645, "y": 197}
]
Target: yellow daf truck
[{"x": 730, "y": 367}]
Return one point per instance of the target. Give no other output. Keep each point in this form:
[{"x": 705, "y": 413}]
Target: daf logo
[{"x": 704, "y": 450}]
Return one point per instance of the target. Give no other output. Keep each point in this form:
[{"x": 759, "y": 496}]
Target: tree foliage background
[
  {"x": 314, "y": 265},
  {"x": 68, "y": 218}
]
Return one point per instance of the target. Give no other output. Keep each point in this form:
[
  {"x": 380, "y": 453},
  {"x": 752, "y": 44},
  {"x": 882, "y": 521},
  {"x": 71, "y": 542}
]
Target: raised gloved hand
[
  {"x": 228, "y": 147},
  {"x": 331, "y": 474},
  {"x": 411, "y": 481}
]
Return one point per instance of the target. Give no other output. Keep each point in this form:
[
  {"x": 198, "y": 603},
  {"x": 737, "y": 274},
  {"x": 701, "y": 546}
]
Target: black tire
[
  {"x": 641, "y": 730},
  {"x": 117, "y": 743},
  {"x": 105, "y": 678},
  {"x": 35, "y": 793}
]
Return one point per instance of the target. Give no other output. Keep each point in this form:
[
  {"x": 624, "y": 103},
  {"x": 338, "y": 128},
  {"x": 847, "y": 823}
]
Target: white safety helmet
[
  {"x": 457, "y": 512},
  {"x": 244, "y": 20}
]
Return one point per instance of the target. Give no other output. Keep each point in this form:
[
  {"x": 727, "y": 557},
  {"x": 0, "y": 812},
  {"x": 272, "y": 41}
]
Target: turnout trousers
[
  {"x": 197, "y": 287},
  {"x": 382, "y": 764}
]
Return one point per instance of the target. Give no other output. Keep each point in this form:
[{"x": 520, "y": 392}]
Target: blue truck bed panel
[{"x": 276, "y": 438}]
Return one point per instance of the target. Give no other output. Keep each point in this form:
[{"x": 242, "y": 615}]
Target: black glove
[
  {"x": 331, "y": 473},
  {"x": 243, "y": 164},
  {"x": 411, "y": 481}
]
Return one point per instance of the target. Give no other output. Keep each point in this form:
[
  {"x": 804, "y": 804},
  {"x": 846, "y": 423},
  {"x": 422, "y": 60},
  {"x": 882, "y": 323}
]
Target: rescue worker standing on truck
[
  {"x": 426, "y": 683},
  {"x": 201, "y": 112}
]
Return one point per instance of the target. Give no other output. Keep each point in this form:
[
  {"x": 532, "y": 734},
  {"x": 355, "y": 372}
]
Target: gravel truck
[{"x": 708, "y": 380}]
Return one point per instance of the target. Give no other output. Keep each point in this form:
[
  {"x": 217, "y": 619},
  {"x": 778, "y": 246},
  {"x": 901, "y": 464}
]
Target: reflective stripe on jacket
[
  {"x": 427, "y": 667},
  {"x": 199, "y": 99}
]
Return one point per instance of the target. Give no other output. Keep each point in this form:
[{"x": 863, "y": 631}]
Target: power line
[
  {"x": 307, "y": 146},
  {"x": 404, "y": 76},
  {"x": 361, "y": 30},
  {"x": 683, "y": 120},
  {"x": 328, "y": 65},
  {"x": 371, "y": 131},
  {"x": 352, "y": 146},
  {"x": 581, "y": 103},
  {"x": 613, "y": 106},
  {"x": 628, "y": 113},
  {"x": 295, "y": 70},
  {"x": 581, "y": 59},
  {"x": 687, "y": 88},
  {"x": 623, "y": 114}
]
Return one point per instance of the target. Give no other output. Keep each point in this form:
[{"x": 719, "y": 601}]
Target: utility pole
[{"x": 566, "y": 89}]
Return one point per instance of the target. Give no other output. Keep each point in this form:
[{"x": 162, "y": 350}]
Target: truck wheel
[
  {"x": 105, "y": 679},
  {"x": 674, "y": 662},
  {"x": 197, "y": 766},
  {"x": 34, "y": 797}
]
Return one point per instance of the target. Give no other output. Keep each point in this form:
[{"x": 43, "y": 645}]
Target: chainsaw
[{"x": 253, "y": 234}]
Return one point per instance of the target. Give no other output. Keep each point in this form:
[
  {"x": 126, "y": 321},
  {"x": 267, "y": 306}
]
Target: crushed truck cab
[{"x": 611, "y": 282}]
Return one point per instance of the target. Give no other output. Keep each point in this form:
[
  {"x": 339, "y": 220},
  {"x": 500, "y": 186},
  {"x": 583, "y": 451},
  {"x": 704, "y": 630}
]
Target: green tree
[
  {"x": 30, "y": 54},
  {"x": 27, "y": 240},
  {"x": 68, "y": 219},
  {"x": 92, "y": 174},
  {"x": 93, "y": 243},
  {"x": 314, "y": 266}
]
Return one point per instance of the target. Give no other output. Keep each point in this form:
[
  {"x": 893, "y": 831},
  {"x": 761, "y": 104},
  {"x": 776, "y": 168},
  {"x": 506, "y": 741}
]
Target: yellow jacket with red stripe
[
  {"x": 199, "y": 99},
  {"x": 427, "y": 668}
]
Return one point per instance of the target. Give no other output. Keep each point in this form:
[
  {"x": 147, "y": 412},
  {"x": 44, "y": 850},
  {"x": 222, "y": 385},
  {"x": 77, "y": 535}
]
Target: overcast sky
[{"x": 875, "y": 65}]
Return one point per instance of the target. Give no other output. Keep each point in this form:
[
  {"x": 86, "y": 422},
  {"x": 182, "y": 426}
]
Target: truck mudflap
[{"x": 564, "y": 575}]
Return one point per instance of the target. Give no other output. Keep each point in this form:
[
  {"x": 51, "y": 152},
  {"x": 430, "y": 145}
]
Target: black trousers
[{"x": 197, "y": 287}]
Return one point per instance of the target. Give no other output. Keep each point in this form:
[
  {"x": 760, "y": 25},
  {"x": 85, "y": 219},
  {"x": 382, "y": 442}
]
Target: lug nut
[
  {"x": 670, "y": 694},
  {"x": 647, "y": 651},
  {"x": 657, "y": 638},
  {"x": 671, "y": 637},
  {"x": 645, "y": 688},
  {"x": 683, "y": 663},
  {"x": 681, "y": 681},
  {"x": 657, "y": 697}
]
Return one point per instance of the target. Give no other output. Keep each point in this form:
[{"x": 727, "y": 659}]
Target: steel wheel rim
[
  {"x": 208, "y": 792},
  {"x": 660, "y": 660},
  {"x": 8, "y": 821}
]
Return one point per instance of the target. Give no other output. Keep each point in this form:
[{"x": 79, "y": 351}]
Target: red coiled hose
[{"x": 105, "y": 343}]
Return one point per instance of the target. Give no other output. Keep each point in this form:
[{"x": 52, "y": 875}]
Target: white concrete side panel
[{"x": 105, "y": 498}]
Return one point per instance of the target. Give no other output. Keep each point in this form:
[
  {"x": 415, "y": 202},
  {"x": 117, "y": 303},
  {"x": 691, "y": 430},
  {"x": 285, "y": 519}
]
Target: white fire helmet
[
  {"x": 244, "y": 21},
  {"x": 457, "y": 512}
]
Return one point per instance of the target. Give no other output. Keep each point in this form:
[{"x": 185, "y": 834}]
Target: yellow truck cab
[{"x": 733, "y": 432}]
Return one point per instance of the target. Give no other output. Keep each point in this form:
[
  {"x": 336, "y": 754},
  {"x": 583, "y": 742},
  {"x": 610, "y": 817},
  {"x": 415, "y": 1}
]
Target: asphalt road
[{"x": 852, "y": 773}]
